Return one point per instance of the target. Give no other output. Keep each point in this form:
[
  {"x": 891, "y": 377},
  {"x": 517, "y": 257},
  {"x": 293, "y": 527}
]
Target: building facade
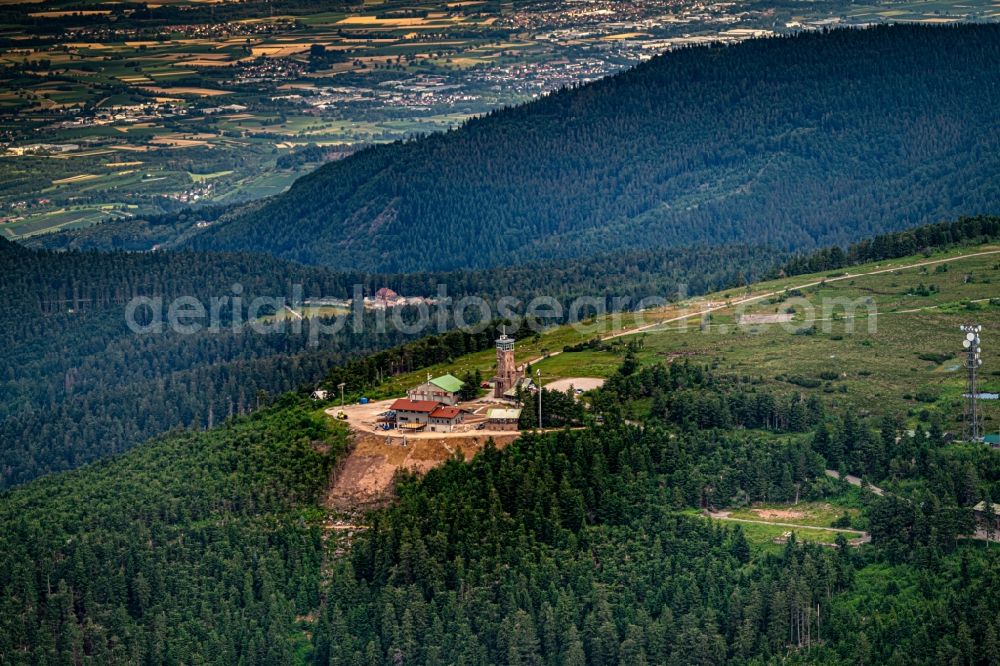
[
  {"x": 500, "y": 418},
  {"x": 413, "y": 411},
  {"x": 507, "y": 371},
  {"x": 444, "y": 419},
  {"x": 444, "y": 389}
]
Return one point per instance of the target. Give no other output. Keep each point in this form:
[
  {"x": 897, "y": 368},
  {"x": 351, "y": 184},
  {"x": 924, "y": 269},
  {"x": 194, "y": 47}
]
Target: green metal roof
[{"x": 449, "y": 383}]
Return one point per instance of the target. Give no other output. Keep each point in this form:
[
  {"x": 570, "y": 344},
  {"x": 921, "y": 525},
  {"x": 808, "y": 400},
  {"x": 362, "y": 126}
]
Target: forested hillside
[
  {"x": 78, "y": 384},
  {"x": 574, "y": 548},
  {"x": 792, "y": 143},
  {"x": 578, "y": 547},
  {"x": 196, "y": 548},
  {"x": 927, "y": 238}
]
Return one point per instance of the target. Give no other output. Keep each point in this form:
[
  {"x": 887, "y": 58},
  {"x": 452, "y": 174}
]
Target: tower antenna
[{"x": 973, "y": 359}]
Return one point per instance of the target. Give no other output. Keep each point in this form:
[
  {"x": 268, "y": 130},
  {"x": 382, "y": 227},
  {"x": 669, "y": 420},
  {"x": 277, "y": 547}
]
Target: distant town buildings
[
  {"x": 228, "y": 108},
  {"x": 387, "y": 298},
  {"x": 42, "y": 148},
  {"x": 384, "y": 298}
]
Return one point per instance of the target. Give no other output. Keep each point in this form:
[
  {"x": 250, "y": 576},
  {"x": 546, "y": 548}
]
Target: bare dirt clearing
[
  {"x": 581, "y": 383},
  {"x": 365, "y": 479},
  {"x": 788, "y": 514}
]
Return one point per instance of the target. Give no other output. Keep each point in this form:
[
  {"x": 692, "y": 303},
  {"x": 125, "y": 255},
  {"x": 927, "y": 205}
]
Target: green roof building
[
  {"x": 443, "y": 389},
  {"x": 449, "y": 383}
]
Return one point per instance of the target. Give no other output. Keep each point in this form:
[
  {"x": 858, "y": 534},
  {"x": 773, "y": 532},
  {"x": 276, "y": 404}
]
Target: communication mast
[{"x": 973, "y": 359}]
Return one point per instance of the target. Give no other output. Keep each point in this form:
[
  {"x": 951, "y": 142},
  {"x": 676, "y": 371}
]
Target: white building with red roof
[
  {"x": 445, "y": 418},
  {"x": 421, "y": 414},
  {"x": 410, "y": 412}
]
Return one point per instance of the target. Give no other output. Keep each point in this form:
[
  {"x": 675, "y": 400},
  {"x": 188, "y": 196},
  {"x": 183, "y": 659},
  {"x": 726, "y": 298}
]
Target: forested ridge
[
  {"x": 926, "y": 238},
  {"x": 78, "y": 384},
  {"x": 794, "y": 143}
]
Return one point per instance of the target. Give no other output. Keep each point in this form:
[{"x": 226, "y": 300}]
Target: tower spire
[{"x": 507, "y": 371}]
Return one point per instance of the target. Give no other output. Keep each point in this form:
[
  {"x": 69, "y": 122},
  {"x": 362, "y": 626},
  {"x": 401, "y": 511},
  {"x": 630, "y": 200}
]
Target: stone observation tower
[{"x": 507, "y": 373}]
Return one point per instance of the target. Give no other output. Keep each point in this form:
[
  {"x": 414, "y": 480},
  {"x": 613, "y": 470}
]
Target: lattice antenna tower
[{"x": 973, "y": 359}]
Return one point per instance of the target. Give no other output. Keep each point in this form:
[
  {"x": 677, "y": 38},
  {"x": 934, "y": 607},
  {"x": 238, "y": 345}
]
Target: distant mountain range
[{"x": 791, "y": 143}]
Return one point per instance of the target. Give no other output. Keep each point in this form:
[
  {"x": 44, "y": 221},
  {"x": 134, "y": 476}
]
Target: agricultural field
[
  {"x": 188, "y": 104},
  {"x": 73, "y": 217}
]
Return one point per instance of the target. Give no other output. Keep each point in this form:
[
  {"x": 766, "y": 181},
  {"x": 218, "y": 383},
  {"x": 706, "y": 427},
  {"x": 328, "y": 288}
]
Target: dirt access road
[{"x": 710, "y": 307}]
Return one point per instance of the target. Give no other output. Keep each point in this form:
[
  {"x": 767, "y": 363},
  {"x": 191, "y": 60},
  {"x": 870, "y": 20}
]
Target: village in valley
[{"x": 114, "y": 113}]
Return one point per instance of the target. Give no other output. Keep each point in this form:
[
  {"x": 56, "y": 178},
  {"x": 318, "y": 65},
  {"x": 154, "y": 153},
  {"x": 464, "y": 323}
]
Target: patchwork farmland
[{"x": 108, "y": 113}]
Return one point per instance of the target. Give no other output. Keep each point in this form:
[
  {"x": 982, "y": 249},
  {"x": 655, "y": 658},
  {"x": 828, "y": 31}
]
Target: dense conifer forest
[
  {"x": 197, "y": 548},
  {"x": 793, "y": 143},
  {"x": 968, "y": 230},
  {"x": 79, "y": 384}
]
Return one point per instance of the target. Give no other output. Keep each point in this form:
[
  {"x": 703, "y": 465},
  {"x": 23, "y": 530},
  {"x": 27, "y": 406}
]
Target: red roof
[
  {"x": 406, "y": 405},
  {"x": 445, "y": 413}
]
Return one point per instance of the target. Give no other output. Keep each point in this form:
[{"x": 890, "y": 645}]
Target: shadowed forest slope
[{"x": 794, "y": 143}]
